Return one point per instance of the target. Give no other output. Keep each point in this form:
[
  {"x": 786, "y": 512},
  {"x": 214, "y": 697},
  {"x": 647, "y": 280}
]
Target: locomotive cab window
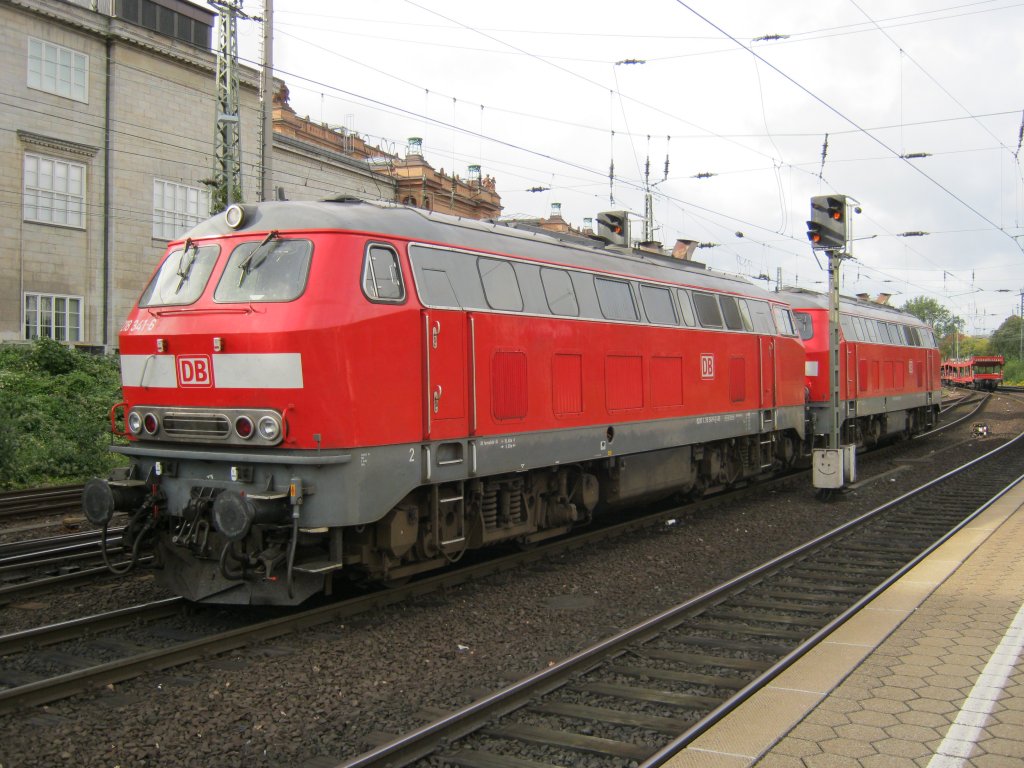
[
  {"x": 271, "y": 269},
  {"x": 804, "y": 325},
  {"x": 616, "y": 299},
  {"x": 658, "y": 305},
  {"x": 382, "y": 276},
  {"x": 708, "y": 313},
  {"x": 182, "y": 277},
  {"x": 784, "y": 321},
  {"x": 501, "y": 288},
  {"x": 560, "y": 294}
]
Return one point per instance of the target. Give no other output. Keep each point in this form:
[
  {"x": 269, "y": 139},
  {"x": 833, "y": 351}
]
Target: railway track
[
  {"x": 626, "y": 700},
  {"x": 41, "y": 501},
  {"x": 30, "y": 565},
  {"x": 25, "y": 687}
]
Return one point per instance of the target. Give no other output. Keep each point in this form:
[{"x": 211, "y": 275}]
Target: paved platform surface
[{"x": 928, "y": 675}]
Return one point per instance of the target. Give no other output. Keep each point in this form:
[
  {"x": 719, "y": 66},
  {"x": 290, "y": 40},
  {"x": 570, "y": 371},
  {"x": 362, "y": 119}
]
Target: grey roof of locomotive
[
  {"x": 398, "y": 221},
  {"x": 801, "y": 297}
]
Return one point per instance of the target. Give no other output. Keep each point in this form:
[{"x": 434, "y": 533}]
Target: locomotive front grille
[
  {"x": 197, "y": 425},
  {"x": 261, "y": 427}
]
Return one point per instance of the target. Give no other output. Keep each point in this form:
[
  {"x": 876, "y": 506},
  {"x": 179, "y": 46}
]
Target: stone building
[
  {"x": 107, "y": 149},
  {"x": 106, "y": 136},
  {"x": 308, "y": 157}
]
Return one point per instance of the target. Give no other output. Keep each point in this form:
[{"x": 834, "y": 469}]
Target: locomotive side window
[
  {"x": 869, "y": 325},
  {"x": 708, "y": 313},
  {"x": 436, "y": 289},
  {"x": 883, "y": 333},
  {"x": 748, "y": 324},
  {"x": 615, "y": 298},
  {"x": 849, "y": 327},
  {"x": 731, "y": 313},
  {"x": 658, "y": 305},
  {"x": 761, "y": 314},
  {"x": 559, "y": 292},
  {"x": 804, "y": 325},
  {"x": 445, "y": 278},
  {"x": 896, "y": 334},
  {"x": 686, "y": 307},
  {"x": 182, "y": 277},
  {"x": 913, "y": 336},
  {"x": 500, "y": 285},
  {"x": 382, "y": 277},
  {"x": 269, "y": 270}
]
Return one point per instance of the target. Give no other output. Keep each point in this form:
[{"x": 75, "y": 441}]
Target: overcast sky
[{"x": 537, "y": 94}]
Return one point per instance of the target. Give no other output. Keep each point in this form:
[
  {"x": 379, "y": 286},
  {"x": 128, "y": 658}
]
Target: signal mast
[{"x": 829, "y": 231}]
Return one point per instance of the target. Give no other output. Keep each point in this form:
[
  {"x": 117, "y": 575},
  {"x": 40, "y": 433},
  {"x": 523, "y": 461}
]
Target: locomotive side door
[
  {"x": 767, "y": 371},
  {"x": 444, "y": 339}
]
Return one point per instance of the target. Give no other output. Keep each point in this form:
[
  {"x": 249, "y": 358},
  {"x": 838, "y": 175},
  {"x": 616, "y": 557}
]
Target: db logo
[
  {"x": 195, "y": 371},
  {"x": 707, "y": 366}
]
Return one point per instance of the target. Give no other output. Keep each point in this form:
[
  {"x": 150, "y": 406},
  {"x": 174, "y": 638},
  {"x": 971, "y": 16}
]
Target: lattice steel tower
[{"x": 227, "y": 145}]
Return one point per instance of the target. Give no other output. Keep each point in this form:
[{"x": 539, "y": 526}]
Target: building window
[
  {"x": 56, "y": 69},
  {"x": 53, "y": 317},
  {"x": 177, "y": 208},
  {"x": 54, "y": 191}
]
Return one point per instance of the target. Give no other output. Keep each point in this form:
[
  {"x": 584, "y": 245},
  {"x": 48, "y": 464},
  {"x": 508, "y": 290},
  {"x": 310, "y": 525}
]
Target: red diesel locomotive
[
  {"x": 373, "y": 389},
  {"x": 888, "y": 368}
]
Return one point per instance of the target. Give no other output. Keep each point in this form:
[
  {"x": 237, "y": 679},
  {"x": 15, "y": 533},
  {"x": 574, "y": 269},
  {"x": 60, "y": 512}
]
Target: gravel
[{"x": 335, "y": 691}]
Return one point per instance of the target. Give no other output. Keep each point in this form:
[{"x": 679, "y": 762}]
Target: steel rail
[
  {"x": 45, "y": 691},
  {"x": 13, "y": 503},
  {"x": 424, "y": 740}
]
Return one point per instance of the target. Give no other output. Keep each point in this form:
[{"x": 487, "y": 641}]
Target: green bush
[
  {"x": 1013, "y": 372},
  {"x": 54, "y": 403}
]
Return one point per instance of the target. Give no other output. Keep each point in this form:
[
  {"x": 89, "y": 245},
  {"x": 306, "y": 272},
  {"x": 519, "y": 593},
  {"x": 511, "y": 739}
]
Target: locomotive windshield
[
  {"x": 269, "y": 270},
  {"x": 804, "y": 325},
  {"x": 182, "y": 277}
]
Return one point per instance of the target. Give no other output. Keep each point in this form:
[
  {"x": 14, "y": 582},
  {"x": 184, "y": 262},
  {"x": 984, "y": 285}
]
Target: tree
[
  {"x": 942, "y": 321},
  {"x": 1005, "y": 339}
]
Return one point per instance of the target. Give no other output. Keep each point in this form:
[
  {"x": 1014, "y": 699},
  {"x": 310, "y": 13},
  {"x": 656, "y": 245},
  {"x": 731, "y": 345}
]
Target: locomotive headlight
[
  {"x": 134, "y": 423},
  {"x": 269, "y": 427},
  {"x": 234, "y": 216},
  {"x": 150, "y": 423}
]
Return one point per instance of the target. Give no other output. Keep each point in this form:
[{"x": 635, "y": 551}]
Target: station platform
[{"x": 929, "y": 675}]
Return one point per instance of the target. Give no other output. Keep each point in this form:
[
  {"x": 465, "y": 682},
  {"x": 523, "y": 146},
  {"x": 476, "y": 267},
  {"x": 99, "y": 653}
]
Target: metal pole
[
  {"x": 834, "y": 260},
  {"x": 266, "y": 164}
]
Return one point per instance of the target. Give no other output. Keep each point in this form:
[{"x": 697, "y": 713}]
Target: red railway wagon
[
  {"x": 983, "y": 372},
  {"x": 373, "y": 389},
  {"x": 888, "y": 368}
]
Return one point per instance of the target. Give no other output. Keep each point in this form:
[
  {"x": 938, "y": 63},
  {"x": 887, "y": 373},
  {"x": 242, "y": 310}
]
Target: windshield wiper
[
  {"x": 246, "y": 264},
  {"x": 185, "y": 268}
]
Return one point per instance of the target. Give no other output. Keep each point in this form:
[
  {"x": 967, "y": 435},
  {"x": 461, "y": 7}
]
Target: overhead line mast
[{"x": 227, "y": 149}]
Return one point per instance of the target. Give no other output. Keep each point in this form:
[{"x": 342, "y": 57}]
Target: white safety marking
[
  {"x": 271, "y": 371},
  {"x": 281, "y": 370},
  {"x": 148, "y": 371},
  {"x": 969, "y": 725}
]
